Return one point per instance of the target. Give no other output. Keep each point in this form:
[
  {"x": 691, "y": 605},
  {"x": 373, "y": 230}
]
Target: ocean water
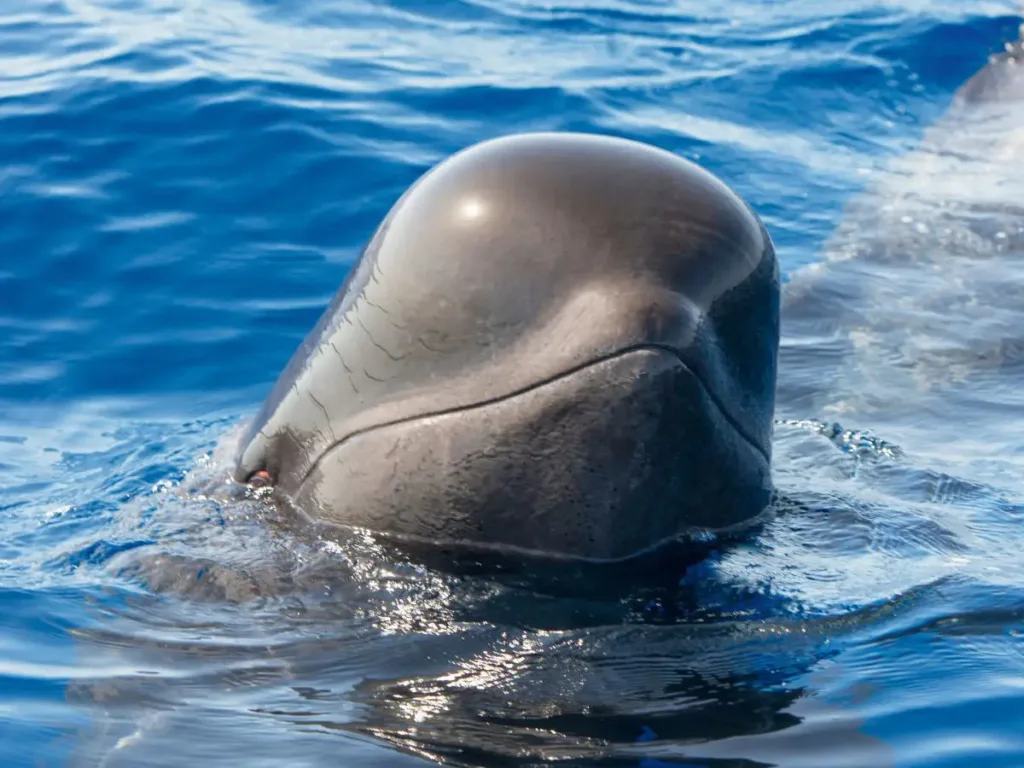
[{"x": 185, "y": 184}]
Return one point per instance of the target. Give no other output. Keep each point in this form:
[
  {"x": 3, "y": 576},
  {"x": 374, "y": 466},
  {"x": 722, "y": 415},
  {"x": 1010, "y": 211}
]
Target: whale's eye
[{"x": 260, "y": 479}]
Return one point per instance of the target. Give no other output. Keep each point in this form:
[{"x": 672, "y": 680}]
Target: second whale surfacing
[
  {"x": 554, "y": 344},
  {"x": 910, "y": 323}
]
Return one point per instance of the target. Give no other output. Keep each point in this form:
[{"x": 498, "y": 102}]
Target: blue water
[{"x": 184, "y": 185}]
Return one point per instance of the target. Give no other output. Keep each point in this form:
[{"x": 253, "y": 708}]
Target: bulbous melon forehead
[{"x": 546, "y": 212}]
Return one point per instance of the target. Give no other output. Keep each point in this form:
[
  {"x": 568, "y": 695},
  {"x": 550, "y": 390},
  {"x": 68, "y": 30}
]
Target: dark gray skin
[{"x": 558, "y": 344}]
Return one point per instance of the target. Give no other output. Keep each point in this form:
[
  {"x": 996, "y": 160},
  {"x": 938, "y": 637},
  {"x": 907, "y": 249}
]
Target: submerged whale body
[
  {"x": 913, "y": 315},
  {"x": 561, "y": 344}
]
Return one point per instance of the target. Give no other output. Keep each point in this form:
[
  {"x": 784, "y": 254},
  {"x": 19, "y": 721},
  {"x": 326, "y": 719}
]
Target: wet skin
[{"x": 559, "y": 344}]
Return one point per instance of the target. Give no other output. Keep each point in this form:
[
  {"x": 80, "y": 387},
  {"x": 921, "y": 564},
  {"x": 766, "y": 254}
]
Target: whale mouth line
[{"x": 622, "y": 352}]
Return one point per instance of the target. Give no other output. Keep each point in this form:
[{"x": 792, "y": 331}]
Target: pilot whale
[{"x": 555, "y": 343}]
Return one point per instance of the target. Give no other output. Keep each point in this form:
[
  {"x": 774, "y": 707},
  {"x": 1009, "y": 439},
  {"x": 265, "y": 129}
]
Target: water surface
[{"x": 184, "y": 185}]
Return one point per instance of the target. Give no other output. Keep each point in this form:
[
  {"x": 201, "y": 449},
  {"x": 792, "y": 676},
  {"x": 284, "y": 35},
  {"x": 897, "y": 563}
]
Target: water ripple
[{"x": 183, "y": 185}]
